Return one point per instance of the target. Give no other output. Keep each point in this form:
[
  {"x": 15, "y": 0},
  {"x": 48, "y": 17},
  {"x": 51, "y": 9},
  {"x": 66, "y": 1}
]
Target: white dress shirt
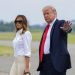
[
  {"x": 22, "y": 43},
  {"x": 47, "y": 42}
]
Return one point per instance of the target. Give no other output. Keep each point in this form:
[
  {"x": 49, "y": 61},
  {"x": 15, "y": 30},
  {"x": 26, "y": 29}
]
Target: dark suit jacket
[{"x": 58, "y": 48}]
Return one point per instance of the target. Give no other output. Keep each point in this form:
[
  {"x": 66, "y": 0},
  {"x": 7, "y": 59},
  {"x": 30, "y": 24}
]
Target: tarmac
[{"x": 6, "y": 61}]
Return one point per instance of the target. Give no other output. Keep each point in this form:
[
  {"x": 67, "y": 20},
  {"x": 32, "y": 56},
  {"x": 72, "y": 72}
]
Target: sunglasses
[{"x": 18, "y": 21}]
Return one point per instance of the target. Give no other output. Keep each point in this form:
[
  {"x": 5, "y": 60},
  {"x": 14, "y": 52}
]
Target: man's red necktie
[{"x": 43, "y": 42}]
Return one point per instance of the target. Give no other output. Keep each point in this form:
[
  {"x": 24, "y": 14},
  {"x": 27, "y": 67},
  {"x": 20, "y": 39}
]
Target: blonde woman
[{"x": 22, "y": 47}]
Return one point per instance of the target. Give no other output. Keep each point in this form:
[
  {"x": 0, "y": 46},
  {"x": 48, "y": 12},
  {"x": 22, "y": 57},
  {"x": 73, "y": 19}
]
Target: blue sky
[{"x": 32, "y": 9}]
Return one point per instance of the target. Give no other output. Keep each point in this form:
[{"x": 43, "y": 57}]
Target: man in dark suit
[{"x": 54, "y": 58}]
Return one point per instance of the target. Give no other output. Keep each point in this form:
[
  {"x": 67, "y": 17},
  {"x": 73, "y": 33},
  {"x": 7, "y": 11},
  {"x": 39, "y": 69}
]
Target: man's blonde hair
[{"x": 50, "y": 8}]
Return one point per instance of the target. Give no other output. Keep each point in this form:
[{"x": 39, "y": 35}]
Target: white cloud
[{"x": 32, "y": 9}]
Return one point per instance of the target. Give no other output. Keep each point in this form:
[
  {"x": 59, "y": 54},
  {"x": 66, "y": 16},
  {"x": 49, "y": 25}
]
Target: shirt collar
[
  {"x": 53, "y": 22},
  {"x": 19, "y": 31}
]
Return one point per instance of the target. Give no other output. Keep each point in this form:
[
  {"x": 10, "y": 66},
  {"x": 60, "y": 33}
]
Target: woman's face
[{"x": 19, "y": 23}]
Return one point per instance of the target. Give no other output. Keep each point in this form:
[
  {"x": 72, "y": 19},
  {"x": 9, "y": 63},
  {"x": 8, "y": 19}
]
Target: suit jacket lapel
[{"x": 52, "y": 30}]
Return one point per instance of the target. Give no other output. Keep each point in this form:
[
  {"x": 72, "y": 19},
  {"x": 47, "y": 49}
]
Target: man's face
[{"x": 49, "y": 15}]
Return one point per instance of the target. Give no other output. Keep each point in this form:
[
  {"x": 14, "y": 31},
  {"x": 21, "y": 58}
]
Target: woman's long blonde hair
[{"x": 24, "y": 24}]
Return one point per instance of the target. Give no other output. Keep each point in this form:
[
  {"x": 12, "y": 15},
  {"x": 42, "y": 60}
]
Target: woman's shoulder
[{"x": 27, "y": 33}]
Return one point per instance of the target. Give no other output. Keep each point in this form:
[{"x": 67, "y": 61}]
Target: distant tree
[{"x": 10, "y": 27}]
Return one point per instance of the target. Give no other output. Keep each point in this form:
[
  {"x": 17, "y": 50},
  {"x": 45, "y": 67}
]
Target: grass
[
  {"x": 35, "y": 35},
  {"x": 5, "y": 50},
  {"x": 10, "y": 35},
  {"x": 71, "y": 38},
  {"x": 7, "y": 35}
]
